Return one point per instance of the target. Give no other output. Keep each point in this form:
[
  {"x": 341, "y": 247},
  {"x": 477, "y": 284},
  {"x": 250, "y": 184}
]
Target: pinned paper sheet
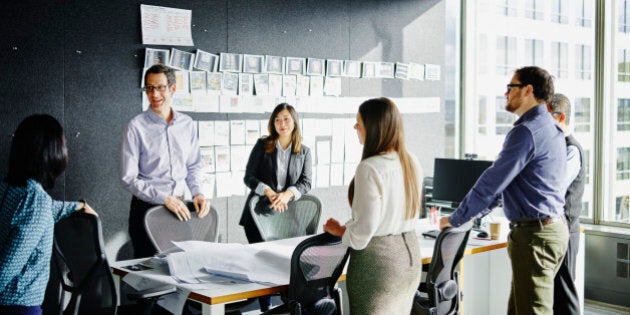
[{"x": 165, "y": 26}]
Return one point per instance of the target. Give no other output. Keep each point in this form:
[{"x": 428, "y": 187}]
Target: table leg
[
  {"x": 117, "y": 286},
  {"x": 216, "y": 309}
]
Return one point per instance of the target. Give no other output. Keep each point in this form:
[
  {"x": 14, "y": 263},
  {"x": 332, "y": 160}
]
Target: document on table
[{"x": 238, "y": 261}]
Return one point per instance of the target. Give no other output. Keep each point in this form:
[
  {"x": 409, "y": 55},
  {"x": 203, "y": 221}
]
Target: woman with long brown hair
[{"x": 384, "y": 268}]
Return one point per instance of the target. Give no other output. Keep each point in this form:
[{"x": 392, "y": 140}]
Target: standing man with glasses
[
  {"x": 160, "y": 157},
  {"x": 566, "y": 299},
  {"x": 529, "y": 174}
]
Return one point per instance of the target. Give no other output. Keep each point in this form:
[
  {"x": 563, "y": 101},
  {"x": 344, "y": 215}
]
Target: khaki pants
[{"x": 536, "y": 253}]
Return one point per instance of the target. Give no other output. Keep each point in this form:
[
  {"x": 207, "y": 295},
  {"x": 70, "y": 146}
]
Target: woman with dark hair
[
  {"x": 279, "y": 168},
  {"x": 28, "y": 214},
  {"x": 384, "y": 267}
]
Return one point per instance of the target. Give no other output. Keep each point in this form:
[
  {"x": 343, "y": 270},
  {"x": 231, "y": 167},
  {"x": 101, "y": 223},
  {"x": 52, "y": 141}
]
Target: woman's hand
[
  {"x": 280, "y": 201},
  {"x": 333, "y": 227},
  {"x": 83, "y": 206}
]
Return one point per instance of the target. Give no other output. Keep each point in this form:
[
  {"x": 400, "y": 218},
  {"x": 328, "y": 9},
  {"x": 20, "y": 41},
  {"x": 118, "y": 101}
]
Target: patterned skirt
[{"x": 383, "y": 277}]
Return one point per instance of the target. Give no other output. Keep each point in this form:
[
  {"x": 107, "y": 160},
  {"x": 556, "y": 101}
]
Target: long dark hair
[
  {"x": 38, "y": 151},
  {"x": 296, "y": 135},
  {"x": 384, "y": 133}
]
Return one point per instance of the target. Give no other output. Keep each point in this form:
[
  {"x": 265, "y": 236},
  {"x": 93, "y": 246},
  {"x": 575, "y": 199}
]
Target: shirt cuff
[
  {"x": 260, "y": 189},
  {"x": 296, "y": 192}
]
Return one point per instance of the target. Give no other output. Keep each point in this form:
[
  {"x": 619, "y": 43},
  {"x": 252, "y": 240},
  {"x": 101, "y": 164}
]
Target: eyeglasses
[
  {"x": 160, "y": 88},
  {"x": 513, "y": 85}
]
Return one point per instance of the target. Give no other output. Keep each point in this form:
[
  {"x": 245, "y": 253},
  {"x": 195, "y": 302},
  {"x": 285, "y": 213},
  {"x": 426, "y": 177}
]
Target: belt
[{"x": 536, "y": 222}]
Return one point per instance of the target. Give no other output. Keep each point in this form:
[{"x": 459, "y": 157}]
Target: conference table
[{"x": 214, "y": 294}]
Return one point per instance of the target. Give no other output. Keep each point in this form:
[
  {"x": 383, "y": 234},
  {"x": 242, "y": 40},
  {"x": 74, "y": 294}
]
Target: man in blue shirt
[
  {"x": 529, "y": 174},
  {"x": 160, "y": 157}
]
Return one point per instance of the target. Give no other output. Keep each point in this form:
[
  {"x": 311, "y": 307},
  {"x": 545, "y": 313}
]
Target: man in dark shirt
[
  {"x": 529, "y": 174},
  {"x": 566, "y": 299}
]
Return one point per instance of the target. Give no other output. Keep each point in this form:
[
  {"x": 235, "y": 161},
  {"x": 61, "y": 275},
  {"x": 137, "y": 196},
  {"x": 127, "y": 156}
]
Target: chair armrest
[{"x": 152, "y": 293}]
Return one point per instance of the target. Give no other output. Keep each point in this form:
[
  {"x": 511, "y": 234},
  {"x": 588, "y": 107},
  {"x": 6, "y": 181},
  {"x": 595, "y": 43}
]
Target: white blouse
[{"x": 378, "y": 206}]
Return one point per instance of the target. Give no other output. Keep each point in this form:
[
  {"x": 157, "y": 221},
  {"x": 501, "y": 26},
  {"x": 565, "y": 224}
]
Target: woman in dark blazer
[{"x": 278, "y": 168}]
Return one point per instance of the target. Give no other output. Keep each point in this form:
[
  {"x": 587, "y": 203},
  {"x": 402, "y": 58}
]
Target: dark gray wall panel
[{"x": 81, "y": 61}]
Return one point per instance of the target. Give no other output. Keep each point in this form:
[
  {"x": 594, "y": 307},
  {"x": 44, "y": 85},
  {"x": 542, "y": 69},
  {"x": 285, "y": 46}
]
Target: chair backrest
[
  {"x": 441, "y": 280},
  {"x": 81, "y": 265},
  {"x": 164, "y": 228},
  {"x": 299, "y": 219},
  {"x": 316, "y": 265}
]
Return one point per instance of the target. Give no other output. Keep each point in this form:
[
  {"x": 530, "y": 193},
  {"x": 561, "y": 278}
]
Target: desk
[{"x": 213, "y": 296}]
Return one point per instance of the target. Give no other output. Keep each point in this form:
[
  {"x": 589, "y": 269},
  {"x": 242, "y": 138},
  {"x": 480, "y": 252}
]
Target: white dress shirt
[{"x": 379, "y": 203}]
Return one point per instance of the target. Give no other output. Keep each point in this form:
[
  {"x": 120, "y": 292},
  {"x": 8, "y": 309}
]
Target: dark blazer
[{"x": 261, "y": 167}]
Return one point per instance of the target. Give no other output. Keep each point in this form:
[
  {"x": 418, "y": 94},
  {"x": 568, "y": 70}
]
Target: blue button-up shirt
[
  {"x": 159, "y": 159},
  {"x": 529, "y": 173},
  {"x": 27, "y": 223}
]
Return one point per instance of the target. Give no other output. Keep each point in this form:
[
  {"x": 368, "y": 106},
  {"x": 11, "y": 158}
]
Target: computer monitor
[{"x": 452, "y": 178}]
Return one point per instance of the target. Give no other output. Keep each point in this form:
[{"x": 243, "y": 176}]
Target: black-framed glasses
[
  {"x": 513, "y": 85},
  {"x": 159, "y": 88}
]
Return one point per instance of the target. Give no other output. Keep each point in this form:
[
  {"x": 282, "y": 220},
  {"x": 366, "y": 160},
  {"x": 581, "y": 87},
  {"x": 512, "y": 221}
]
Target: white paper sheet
[
  {"x": 237, "y": 131},
  {"x": 165, "y": 26}
]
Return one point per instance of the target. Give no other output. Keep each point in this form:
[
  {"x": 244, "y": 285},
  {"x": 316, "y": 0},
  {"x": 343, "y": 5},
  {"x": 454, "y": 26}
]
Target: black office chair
[
  {"x": 442, "y": 281},
  {"x": 163, "y": 227},
  {"x": 316, "y": 264},
  {"x": 299, "y": 219},
  {"x": 82, "y": 268}
]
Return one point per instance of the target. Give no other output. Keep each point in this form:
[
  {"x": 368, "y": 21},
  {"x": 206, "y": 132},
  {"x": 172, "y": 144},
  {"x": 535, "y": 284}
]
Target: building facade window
[
  {"x": 504, "y": 120},
  {"x": 582, "y": 114},
  {"x": 506, "y": 54},
  {"x": 583, "y": 59},
  {"x": 623, "y": 16},
  {"x": 623, "y": 65},
  {"x": 534, "y": 9},
  {"x": 584, "y": 13},
  {"x": 507, "y": 7},
  {"x": 623, "y": 163},
  {"x": 623, "y": 114},
  {"x": 560, "y": 60},
  {"x": 559, "y": 11},
  {"x": 534, "y": 52}
]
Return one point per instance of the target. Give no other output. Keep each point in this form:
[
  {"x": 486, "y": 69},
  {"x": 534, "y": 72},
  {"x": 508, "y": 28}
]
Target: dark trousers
[
  {"x": 20, "y": 310},
  {"x": 565, "y": 297},
  {"x": 253, "y": 236},
  {"x": 142, "y": 246}
]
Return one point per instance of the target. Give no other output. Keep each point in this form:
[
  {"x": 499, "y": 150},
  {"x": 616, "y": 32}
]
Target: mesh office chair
[
  {"x": 316, "y": 264},
  {"x": 163, "y": 227},
  {"x": 442, "y": 280},
  {"x": 300, "y": 218},
  {"x": 82, "y": 268}
]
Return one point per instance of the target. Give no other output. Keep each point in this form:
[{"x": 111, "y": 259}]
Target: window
[
  {"x": 534, "y": 52},
  {"x": 623, "y": 163},
  {"x": 559, "y": 60},
  {"x": 584, "y": 13},
  {"x": 534, "y": 10},
  {"x": 506, "y": 55},
  {"x": 551, "y": 43},
  {"x": 623, "y": 14},
  {"x": 582, "y": 114},
  {"x": 623, "y": 114},
  {"x": 583, "y": 59},
  {"x": 504, "y": 119},
  {"x": 559, "y": 10},
  {"x": 482, "y": 117},
  {"x": 623, "y": 65},
  {"x": 622, "y": 209},
  {"x": 507, "y": 7}
]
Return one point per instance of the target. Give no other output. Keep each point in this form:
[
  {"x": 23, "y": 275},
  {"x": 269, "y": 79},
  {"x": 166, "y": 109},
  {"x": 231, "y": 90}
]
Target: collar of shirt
[
  {"x": 157, "y": 119},
  {"x": 533, "y": 112}
]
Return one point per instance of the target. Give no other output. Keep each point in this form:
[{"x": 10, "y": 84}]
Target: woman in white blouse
[{"x": 385, "y": 263}]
